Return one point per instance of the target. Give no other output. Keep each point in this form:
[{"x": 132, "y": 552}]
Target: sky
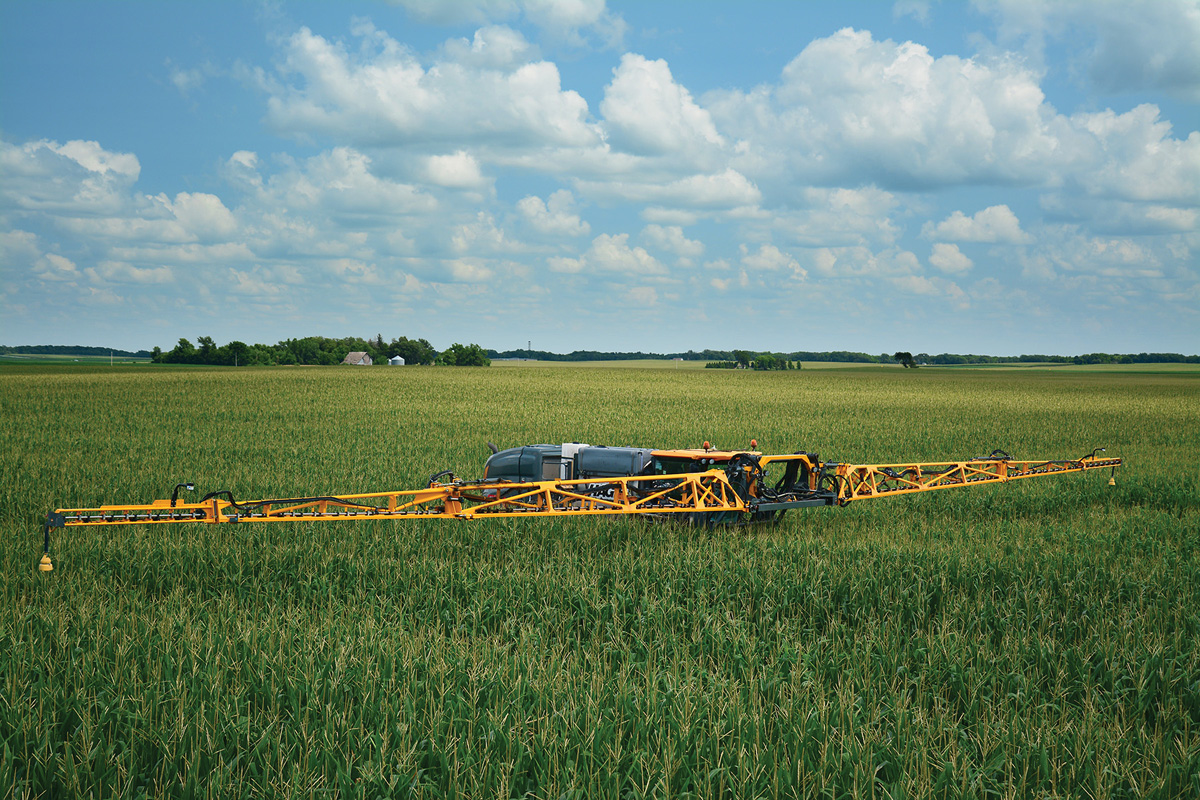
[{"x": 997, "y": 176}]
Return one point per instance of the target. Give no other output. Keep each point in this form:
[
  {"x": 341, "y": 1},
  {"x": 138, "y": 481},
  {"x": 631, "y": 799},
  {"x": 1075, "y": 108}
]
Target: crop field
[{"x": 1034, "y": 639}]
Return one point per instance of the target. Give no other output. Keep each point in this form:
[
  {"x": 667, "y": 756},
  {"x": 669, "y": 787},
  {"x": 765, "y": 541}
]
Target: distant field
[
  {"x": 1038, "y": 639},
  {"x": 658, "y": 363},
  {"x": 655, "y": 363},
  {"x": 16, "y": 358}
]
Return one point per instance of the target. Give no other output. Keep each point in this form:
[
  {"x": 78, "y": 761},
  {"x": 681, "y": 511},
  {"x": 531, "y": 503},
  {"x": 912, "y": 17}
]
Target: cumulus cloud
[
  {"x": 480, "y": 235},
  {"x": 342, "y": 180},
  {"x": 852, "y": 109},
  {"x": 647, "y": 112},
  {"x": 863, "y": 262},
  {"x": 382, "y": 94},
  {"x": 949, "y": 259},
  {"x": 610, "y": 253},
  {"x": 725, "y": 190},
  {"x": 844, "y": 217},
  {"x": 992, "y": 224},
  {"x": 555, "y": 216},
  {"x": 1150, "y": 46},
  {"x": 1133, "y": 156},
  {"x": 671, "y": 239},
  {"x": 1067, "y": 249},
  {"x": 469, "y": 270},
  {"x": 203, "y": 216},
  {"x": 456, "y": 171},
  {"x": 769, "y": 258},
  {"x": 75, "y": 178},
  {"x": 54, "y": 267}
]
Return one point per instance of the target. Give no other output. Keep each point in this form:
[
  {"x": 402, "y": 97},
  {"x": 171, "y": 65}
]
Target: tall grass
[{"x": 1034, "y": 639}]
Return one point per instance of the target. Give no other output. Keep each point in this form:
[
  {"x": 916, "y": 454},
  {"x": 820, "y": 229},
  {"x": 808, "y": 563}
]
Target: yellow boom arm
[{"x": 735, "y": 492}]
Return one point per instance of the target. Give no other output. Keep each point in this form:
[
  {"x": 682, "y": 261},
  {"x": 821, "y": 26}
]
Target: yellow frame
[{"x": 694, "y": 492}]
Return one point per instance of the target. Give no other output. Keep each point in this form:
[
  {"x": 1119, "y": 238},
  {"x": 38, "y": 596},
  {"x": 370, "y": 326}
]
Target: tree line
[
  {"x": 747, "y": 359},
  {"x": 322, "y": 350},
  {"x": 70, "y": 350},
  {"x": 317, "y": 350},
  {"x": 848, "y": 356}
]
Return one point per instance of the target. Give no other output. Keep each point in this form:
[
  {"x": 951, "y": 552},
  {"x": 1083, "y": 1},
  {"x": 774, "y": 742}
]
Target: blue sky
[{"x": 1002, "y": 176}]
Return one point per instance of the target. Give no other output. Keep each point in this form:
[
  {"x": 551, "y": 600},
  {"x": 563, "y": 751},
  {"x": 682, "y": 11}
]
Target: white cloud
[
  {"x": 76, "y": 178},
  {"x": 342, "y": 181},
  {"x": 54, "y": 267},
  {"x": 1132, "y": 156},
  {"x": 843, "y": 217},
  {"x": 456, "y": 171},
  {"x": 992, "y": 224},
  {"x": 1067, "y": 249},
  {"x": 121, "y": 272},
  {"x": 852, "y": 109},
  {"x": 469, "y": 270},
  {"x": 493, "y": 47},
  {"x": 769, "y": 258},
  {"x": 671, "y": 239},
  {"x": 647, "y": 112},
  {"x": 1148, "y": 45},
  {"x": 726, "y": 190},
  {"x": 93, "y": 157},
  {"x": 609, "y": 253},
  {"x": 383, "y": 95},
  {"x": 949, "y": 259},
  {"x": 202, "y": 216},
  {"x": 480, "y": 235},
  {"x": 862, "y": 262},
  {"x": 555, "y": 216}
]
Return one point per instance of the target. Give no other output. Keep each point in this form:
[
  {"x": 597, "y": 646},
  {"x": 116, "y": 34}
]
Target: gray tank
[{"x": 544, "y": 462}]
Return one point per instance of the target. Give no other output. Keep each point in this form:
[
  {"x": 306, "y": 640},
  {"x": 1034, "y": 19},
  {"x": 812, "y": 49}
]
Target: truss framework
[
  {"x": 862, "y": 482},
  {"x": 703, "y": 493},
  {"x": 666, "y": 494}
]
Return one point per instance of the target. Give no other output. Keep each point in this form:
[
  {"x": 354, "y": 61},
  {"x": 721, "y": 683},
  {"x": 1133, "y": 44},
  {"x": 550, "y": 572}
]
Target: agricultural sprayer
[{"x": 706, "y": 486}]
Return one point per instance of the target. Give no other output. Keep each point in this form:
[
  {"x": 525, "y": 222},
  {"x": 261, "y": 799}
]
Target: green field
[
  {"x": 1037, "y": 639},
  {"x": 7, "y": 359}
]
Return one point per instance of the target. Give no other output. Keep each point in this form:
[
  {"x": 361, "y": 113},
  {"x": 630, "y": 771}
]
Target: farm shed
[{"x": 358, "y": 359}]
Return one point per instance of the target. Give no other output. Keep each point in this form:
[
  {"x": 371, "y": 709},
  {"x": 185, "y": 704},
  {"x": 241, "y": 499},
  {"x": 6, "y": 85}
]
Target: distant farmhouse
[{"x": 358, "y": 359}]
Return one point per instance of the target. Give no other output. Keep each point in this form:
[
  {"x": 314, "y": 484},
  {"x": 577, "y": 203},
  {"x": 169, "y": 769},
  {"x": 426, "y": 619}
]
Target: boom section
[
  {"x": 735, "y": 482},
  {"x": 701, "y": 492},
  {"x": 866, "y": 481}
]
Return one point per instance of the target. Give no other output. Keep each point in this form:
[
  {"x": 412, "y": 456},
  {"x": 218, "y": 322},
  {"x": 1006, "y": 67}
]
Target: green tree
[
  {"x": 236, "y": 354},
  {"x": 459, "y": 355},
  {"x": 416, "y": 351},
  {"x": 206, "y": 353},
  {"x": 182, "y": 353},
  {"x": 905, "y": 359}
]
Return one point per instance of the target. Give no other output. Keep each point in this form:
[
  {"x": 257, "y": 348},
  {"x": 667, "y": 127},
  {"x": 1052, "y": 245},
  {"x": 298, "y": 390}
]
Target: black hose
[
  {"x": 247, "y": 508},
  {"x": 433, "y": 478}
]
